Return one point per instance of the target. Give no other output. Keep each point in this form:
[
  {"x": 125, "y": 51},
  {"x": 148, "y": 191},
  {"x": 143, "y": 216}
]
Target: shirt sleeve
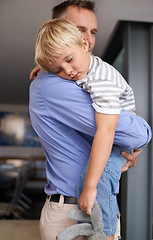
[
  {"x": 105, "y": 94},
  {"x": 107, "y": 102},
  {"x": 132, "y": 131}
]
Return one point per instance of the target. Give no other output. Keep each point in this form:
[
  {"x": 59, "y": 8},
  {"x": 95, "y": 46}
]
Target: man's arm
[{"x": 132, "y": 131}]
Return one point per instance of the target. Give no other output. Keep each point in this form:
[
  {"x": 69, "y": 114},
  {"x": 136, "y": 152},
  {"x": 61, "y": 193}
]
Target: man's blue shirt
[{"x": 64, "y": 119}]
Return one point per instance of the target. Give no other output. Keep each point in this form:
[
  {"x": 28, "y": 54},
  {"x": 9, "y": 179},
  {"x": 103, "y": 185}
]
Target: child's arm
[{"x": 100, "y": 152}]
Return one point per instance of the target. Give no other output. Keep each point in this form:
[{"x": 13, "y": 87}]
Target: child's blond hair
[{"x": 53, "y": 37}]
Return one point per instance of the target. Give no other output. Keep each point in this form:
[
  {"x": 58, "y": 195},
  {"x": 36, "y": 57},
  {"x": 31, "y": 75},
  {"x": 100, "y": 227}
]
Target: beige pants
[{"x": 54, "y": 219}]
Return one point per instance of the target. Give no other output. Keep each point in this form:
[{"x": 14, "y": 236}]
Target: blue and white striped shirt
[{"x": 108, "y": 89}]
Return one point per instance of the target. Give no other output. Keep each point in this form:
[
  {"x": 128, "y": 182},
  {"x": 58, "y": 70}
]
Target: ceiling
[{"x": 19, "y": 23}]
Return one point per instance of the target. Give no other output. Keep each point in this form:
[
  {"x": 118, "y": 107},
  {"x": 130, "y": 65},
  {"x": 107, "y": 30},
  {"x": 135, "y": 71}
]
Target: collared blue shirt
[{"x": 64, "y": 119}]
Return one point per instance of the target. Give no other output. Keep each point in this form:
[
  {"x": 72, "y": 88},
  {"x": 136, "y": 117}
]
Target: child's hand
[{"x": 87, "y": 200}]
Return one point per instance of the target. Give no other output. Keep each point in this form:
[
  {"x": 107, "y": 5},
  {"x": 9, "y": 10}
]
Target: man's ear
[{"x": 85, "y": 44}]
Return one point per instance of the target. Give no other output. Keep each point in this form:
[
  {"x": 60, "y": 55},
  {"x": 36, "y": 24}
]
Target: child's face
[{"x": 73, "y": 63}]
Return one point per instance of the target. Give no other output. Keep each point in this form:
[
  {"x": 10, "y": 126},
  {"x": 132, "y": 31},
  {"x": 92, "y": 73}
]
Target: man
[{"x": 62, "y": 116}]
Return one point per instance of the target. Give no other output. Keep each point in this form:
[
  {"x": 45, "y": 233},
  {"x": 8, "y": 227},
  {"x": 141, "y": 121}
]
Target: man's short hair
[
  {"x": 61, "y": 8},
  {"x": 53, "y": 37}
]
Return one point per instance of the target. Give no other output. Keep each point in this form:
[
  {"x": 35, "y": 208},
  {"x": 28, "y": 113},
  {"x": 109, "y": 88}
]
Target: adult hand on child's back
[{"x": 34, "y": 72}]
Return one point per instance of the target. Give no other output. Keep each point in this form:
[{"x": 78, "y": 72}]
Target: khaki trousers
[{"x": 54, "y": 219}]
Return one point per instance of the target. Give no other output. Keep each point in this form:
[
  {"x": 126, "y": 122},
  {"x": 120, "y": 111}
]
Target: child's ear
[{"x": 85, "y": 44}]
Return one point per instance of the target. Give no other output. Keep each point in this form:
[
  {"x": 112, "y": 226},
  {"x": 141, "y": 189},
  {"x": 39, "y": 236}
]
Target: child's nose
[{"x": 68, "y": 70}]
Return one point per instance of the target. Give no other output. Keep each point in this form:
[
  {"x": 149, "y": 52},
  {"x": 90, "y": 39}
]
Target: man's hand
[
  {"x": 34, "y": 72},
  {"x": 131, "y": 159}
]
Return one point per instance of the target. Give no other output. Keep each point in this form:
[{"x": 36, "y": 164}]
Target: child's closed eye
[
  {"x": 69, "y": 59},
  {"x": 57, "y": 71}
]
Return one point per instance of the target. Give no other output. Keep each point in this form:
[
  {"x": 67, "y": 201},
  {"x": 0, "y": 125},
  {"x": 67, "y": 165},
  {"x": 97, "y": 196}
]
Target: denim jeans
[{"x": 107, "y": 189}]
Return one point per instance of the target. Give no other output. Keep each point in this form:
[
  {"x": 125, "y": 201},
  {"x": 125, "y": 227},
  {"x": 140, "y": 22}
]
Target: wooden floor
[{"x": 19, "y": 229}]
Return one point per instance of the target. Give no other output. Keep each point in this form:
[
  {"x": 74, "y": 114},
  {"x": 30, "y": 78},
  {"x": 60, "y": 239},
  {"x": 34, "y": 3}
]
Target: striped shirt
[{"x": 108, "y": 89}]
